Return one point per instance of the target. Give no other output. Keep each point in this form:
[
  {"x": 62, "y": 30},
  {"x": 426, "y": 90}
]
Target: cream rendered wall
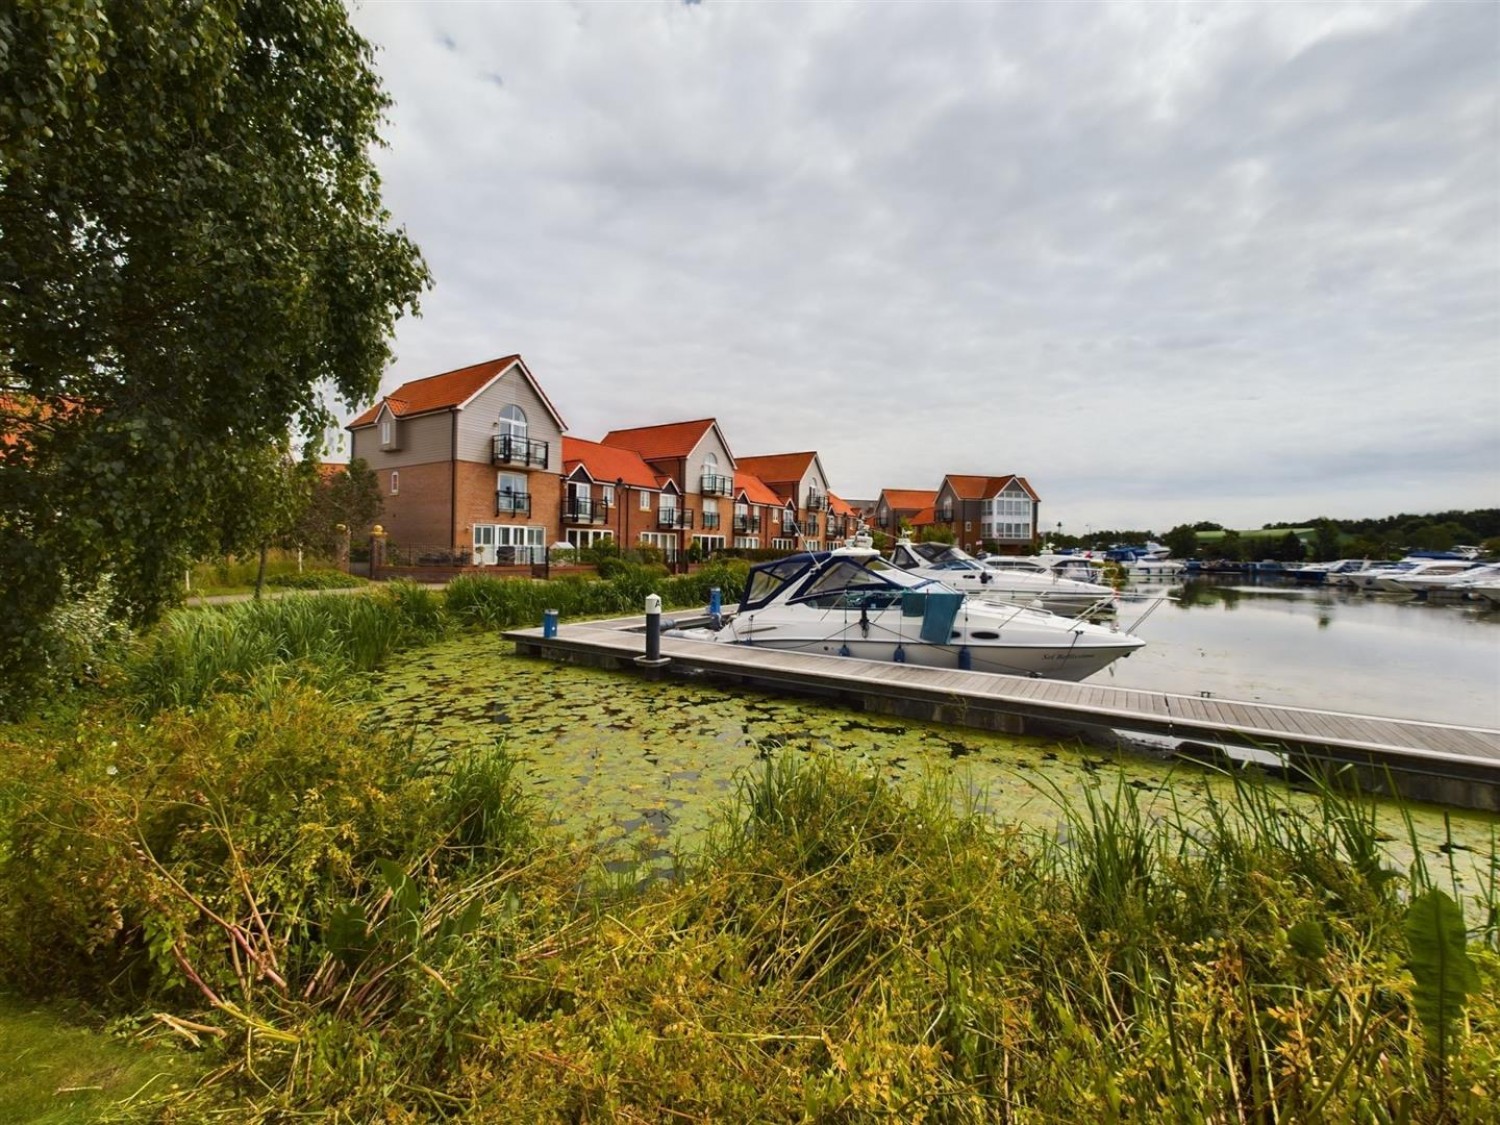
[
  {"x": 478, "y": 421},
  {"x": 708, "y": 443},
  {"x": 424, "y": 439}
]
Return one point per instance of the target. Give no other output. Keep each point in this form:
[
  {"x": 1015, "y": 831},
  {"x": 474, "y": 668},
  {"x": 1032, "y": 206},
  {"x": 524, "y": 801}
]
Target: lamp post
[{"x": 620, "y": 515}]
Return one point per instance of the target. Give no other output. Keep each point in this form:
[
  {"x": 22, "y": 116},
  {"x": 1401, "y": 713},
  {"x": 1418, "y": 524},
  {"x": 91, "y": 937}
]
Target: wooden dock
[{"x": 1453, "y": 765}]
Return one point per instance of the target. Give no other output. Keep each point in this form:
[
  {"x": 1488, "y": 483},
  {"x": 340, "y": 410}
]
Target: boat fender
[
  {"x": 899, "y": 656},
  {"x": 844, "y": 650},
  {"x": 864, "y": 621},
  {"x": 965, "y": 659},
  {"x": 668, "y": 623}
]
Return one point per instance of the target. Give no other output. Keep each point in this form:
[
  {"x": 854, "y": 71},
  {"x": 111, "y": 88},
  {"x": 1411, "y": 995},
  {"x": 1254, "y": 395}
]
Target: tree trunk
[{"x": 260, "y": 574}]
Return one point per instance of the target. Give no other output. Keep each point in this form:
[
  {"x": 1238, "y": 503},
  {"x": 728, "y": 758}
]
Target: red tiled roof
[
  {"x": 327, "y": 470},
  {"x": 778, "y": 468},
  {"x": 435, "y": 392},
  {"x": 755, "y": 490},
  {"x": 450, "y": 389},
  {"x": 925, "y": 518},
  {"x": 838, "y": 507},
  {"x": 912, "y": 499},
  {"x": 983, "y": 488},
  {"x": 674, "y": 439},
  {"x": 606, "y": 464}
]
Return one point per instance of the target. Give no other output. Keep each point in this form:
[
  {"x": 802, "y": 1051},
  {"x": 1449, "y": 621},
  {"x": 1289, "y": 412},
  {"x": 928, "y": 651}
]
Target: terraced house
[
  {"x": 996, "y": 513},
  {"x": 695, "y": 473},
  {"x": 799, "y": 482},
  {"x": 903, "y": 505},
  {"x": 468, "y": 460},
  {"x": 610, "y": 494}
]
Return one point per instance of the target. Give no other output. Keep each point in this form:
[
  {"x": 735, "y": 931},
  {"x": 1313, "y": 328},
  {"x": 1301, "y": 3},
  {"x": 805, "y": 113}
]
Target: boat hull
[{"x": 1075, "y": 658}]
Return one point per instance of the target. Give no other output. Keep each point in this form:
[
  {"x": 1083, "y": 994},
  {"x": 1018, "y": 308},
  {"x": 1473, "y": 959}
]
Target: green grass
[{"x": 55, "y": 1072}]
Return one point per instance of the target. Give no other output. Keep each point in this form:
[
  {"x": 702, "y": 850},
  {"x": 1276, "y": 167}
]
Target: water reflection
[{"x": 1277, "y": 643}]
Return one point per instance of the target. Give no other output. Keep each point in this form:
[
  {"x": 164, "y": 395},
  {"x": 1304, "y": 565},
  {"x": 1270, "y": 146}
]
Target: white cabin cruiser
[
  {"x": 999, "y": 578},
  {"x": 852, "y": 602}
]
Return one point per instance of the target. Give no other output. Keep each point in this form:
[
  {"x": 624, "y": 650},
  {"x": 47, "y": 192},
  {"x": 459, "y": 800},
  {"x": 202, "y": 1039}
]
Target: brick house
[
  {"x": 802, "y": 486},
  {"x": 898, "y": 505},
  {"x": 843, "y": 519},
  {"x": 997, "y": 513},
  {"x": 695, "y": 473},
  {"x": 609, "y": 493},
  {"x": 756, "y": 512},
  {"x": 469, "y": 459}
]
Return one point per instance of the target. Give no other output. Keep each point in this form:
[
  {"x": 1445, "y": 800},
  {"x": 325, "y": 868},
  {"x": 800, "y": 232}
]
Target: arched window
[
  {"x": 710, "y": 464},
  {"x": 513, "y": 422}
]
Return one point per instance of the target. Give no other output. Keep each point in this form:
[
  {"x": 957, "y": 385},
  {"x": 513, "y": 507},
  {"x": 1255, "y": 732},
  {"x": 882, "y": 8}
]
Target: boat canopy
[{"x": 830, "y": 579}]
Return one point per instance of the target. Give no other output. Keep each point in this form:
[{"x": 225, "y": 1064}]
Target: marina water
[{"x": 1331, "y": 649}]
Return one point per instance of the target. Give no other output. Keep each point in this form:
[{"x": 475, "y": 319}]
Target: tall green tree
[
  {"x": 350, "y": 497},
  {"x": 193, "y": 257}
]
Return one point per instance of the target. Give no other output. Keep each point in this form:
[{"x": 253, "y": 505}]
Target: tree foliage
[
  {"x": 193, "y": 255},
  {"x": 350, "y": 496}
]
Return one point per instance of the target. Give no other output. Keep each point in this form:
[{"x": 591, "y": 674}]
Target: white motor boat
[
  {"x": 1457, "y": 583},
  {"x": 999, "y": 578},
  {"x": 1402, "y": 583},
  {"x": 852, "y": 602},
  {"x": 1148, "y": 567}
]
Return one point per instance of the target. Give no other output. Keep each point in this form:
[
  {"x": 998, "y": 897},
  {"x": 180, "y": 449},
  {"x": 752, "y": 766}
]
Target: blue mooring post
[
  {"x": 549, "y": 622},
  {"x": 653, "y": 628},
  {"x": 715, "y": 602}
]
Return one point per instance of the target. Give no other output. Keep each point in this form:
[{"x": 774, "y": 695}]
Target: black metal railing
[
  {"x": 585, "y": 509},
  {"x": 512, "y": 450},
  {"x": 712, "y": 484},
  {"x": 945, "y": 515},
  {"x": 838, "y": 526},
  {"x": 816, "y": 502},
  {"x": 674, "y": 519},
  {"x": 509, "y": 502},
  {"x": 746, "y": 525},
  {"x": 710, "y": 521}
]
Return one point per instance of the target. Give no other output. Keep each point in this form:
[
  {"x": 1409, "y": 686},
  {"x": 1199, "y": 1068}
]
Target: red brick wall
[
  {"x": 476, "y": 502},
  {"x": 417, "y": 515}
]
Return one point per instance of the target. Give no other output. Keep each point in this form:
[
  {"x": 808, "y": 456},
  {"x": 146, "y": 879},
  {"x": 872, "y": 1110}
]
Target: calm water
[{"x": 1329, "y": 649}]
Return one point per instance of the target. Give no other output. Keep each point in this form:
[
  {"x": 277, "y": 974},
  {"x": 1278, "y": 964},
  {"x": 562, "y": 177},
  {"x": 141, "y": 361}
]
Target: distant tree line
[{"x": 1385, "y": 536}]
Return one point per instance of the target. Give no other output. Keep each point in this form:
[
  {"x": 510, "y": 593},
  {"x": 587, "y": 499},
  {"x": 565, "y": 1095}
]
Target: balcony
[
  {"x": 945, "y": 515},
  {"x": 838, "y": 527},
  {"x": 585, "y": 509},
  {"x": 508, "y": 502},
  {"x": 710, "y": 521},
  {"x": 711, "y": 484},
  {"x": 747, "y": 525},
  {"x": 809, "y": 525},
  {"x": 674, "y": 519},
  {"x": 816, "y": 502},
  {"x": 512, "y": 450}
]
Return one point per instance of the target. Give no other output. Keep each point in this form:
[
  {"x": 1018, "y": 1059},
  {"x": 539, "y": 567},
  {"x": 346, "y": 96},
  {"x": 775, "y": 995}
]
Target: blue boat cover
[{"x": 937, "y": 619}]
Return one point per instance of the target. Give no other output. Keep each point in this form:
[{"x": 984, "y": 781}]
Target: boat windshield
[
  {"x": 767, "y": 580},
  {"x": 846, "y": 583}
]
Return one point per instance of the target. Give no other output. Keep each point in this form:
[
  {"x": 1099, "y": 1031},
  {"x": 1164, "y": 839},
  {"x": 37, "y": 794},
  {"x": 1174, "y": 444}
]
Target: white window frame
[
  {"x": 513, "y": 422},
  {"x": 395, "y": 482},
  {"x": 645, "y": 501}
]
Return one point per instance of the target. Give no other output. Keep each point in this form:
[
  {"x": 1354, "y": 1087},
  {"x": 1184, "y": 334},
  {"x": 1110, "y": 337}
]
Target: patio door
[{"x": 484, "y": 544}]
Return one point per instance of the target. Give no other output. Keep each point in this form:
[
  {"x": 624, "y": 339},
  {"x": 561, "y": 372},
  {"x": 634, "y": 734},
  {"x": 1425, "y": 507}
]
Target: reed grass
[{"x": 839, "y": 950}]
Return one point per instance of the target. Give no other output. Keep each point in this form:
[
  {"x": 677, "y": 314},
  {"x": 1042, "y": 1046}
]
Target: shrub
[{"x": 316, "y": 580}]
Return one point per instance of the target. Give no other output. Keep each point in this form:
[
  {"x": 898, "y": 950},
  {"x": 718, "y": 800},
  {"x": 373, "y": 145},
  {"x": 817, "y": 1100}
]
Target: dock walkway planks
[{"x": 1451, "y": 756}]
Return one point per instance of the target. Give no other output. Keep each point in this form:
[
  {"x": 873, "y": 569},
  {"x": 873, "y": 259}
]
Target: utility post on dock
[{"x": 653, "y": 658}]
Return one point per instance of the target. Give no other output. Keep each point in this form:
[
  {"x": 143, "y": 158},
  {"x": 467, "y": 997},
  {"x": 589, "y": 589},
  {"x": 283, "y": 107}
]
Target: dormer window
[{"x": 388, "y": 432}]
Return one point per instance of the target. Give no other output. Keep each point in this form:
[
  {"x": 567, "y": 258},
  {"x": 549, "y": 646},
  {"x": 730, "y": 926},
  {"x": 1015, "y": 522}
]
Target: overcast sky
[{"x": 1169, "y": 261}]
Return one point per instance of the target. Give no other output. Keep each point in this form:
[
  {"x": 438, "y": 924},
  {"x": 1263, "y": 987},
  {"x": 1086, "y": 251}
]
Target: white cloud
[{"x": 1171, "y": 262}]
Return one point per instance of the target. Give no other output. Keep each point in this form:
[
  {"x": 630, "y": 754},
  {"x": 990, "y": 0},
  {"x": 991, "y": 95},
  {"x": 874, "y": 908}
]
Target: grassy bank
[{"x": 339, "y": 923}]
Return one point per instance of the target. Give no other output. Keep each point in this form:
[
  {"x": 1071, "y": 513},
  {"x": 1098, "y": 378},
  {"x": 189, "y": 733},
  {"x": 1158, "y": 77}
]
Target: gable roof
[
  {"x": 607, "y": 464},
  {"x": 779, "y": 468},
  {"x": 909, "y": 499},
  {"x": 983, "y": 488},
  {"x": 755, "y": 490},
  {"x": 673, "y": 439},
  {"x": 838, "y": 506},
  {"x": 452, "y": 390}
]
